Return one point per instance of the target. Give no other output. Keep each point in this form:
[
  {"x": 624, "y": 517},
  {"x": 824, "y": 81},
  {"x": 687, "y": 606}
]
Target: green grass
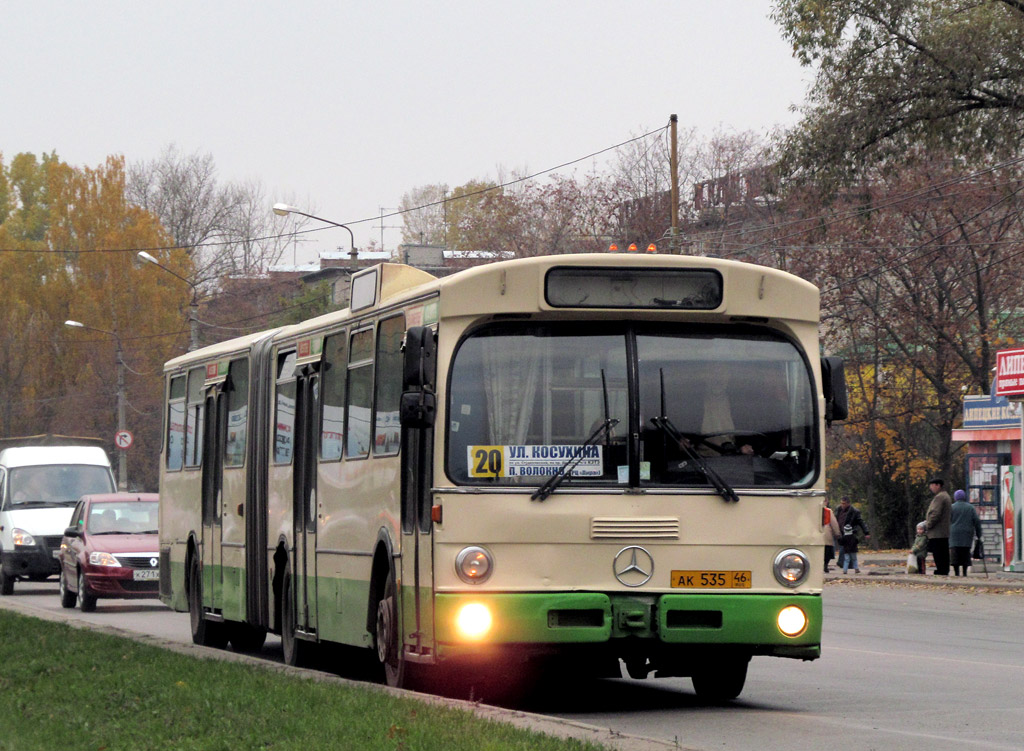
[{"x": 61, "y": 687}]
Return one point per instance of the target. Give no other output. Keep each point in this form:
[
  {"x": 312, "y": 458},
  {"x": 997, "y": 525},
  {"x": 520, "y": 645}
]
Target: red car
[{"x": 110, "y": 550}]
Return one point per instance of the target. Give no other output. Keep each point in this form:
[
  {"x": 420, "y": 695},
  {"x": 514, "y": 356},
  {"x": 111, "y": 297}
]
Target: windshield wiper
[
  {"x": 665, "y": 425},
  {"x": 558, "y": 478}
]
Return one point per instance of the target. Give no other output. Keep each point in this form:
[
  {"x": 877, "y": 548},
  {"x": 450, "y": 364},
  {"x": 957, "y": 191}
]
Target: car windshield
[
  {"x": 133, "y": 518},
  {"x": 56, "y": 484},
  {"x": 525, "y": 397}
]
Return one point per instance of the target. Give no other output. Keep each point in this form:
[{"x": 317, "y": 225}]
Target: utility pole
[{"x": 674, "y": 167}]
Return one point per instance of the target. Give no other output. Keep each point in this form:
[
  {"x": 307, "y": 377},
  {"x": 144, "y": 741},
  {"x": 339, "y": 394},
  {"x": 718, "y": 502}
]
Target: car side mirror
[{"x": 72, "y": 532}]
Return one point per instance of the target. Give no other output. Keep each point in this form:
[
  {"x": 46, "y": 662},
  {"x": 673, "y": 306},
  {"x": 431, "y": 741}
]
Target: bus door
[
  {"x": 417, "y": 561},
  {"x": 214, "y": 428},
  {"x": 304, "y": 500}
]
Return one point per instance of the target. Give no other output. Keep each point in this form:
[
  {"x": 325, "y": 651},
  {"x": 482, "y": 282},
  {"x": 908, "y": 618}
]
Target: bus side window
[
  {"x": 238, "y": 413},
  {"x": 388, "y": 385},
  {"x": 194, "y": 418},
  {"x": 332, "y": 425},
  {"x": 360, "y": 394},
  {"x": 284, "y": 430},
  {"x": 176, "y": 423}
]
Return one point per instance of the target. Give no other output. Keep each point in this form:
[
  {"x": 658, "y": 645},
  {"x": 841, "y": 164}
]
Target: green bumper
[{"x": 672, "y": 619}]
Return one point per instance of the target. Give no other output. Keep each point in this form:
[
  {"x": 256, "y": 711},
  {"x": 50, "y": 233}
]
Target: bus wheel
[
  {"x": 205, "y": 633},
  {"x": 389, "y": 651},
  {"x": 6, "y": 582},
  {"x": 722, "y": 681},
  {"x": 296, "y": 651},
  {"x": 246, "y": 638}
]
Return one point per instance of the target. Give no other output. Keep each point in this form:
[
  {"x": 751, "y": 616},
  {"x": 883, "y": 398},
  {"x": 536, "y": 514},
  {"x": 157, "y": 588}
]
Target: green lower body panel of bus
[{"x": 741, "y": 620}]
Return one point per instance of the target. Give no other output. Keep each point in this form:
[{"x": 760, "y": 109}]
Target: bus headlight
[
  {"x": 791, "y": 568},
  {"x": 473, "y": 621},
  {"x": 474, "y": 565},
  {"x": 792, "y": 620},
  {"x": 23, "y": 538}
]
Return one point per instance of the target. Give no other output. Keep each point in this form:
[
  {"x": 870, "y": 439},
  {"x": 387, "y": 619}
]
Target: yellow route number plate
[{"x": 711, "y": 579}]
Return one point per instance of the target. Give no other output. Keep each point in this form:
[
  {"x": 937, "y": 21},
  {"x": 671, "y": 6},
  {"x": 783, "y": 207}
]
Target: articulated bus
[{"x": 603, "y": 460}]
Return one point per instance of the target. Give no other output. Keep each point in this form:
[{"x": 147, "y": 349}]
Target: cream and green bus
[{"x": 596, "y": 460}]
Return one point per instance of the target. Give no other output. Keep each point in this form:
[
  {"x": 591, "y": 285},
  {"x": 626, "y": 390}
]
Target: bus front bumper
[{"x": 743, "y": 622}]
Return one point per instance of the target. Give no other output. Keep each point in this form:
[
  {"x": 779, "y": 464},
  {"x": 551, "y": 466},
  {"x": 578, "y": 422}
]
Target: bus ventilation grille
[{"x": 634, "y": 527}]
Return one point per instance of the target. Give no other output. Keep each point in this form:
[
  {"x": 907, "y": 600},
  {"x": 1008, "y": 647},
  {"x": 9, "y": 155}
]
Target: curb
[{"x": 553, "y": 726}]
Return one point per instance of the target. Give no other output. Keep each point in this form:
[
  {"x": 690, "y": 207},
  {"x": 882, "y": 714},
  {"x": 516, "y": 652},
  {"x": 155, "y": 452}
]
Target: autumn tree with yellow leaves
[{"x": 68, "y": 244}]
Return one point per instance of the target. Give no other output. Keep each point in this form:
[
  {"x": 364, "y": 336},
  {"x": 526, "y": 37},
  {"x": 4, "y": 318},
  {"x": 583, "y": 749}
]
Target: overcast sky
[{"x": 345, "y": 106}]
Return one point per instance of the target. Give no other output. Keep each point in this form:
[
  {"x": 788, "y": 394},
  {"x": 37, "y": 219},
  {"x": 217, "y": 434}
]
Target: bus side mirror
[
  {"x": 419, "y": 360},
  {"x": 417, "y": 409},
  {"x": 833, "y": 383}
]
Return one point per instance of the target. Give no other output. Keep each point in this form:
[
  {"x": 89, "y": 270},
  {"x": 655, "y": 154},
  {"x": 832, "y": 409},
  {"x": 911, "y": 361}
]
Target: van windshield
[{"x": 56, "y": 484}]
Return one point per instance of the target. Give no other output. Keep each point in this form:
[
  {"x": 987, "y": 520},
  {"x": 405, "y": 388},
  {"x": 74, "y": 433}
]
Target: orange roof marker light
[
  {"x": 613, "y": 248},
  {"x": 631, "y": 248},
  {"x": 652, "y": 248}
]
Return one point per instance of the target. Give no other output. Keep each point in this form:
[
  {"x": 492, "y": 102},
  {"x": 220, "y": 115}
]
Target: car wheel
[
  {"x": 6, "y": 583},
  {"x": 67, "y": 597},
  {"x": 388, "y": 643},
  {"x": 205, "y": 632},
  {"x": 86, "y": 600}
]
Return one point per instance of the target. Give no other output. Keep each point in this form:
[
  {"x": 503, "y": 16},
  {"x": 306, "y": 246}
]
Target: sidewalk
[{"x": 892, "y": 567}]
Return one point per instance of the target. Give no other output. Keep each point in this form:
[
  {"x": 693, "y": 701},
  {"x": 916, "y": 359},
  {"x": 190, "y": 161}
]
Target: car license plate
[
  {"x": 711, "y": 579},
  {"x": 145, "y": 574}
]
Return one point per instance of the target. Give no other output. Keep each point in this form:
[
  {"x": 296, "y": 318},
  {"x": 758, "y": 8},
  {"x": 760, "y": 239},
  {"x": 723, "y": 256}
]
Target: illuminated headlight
[
  {"x": 792, "y": 620},
  {"x": 21, "y": 537},
  {"x": 474, "y": 565},
  {"x": 791, "y": 568},
  {"x": 473, "y": 621},
  {"x": 102, "y": 559}
]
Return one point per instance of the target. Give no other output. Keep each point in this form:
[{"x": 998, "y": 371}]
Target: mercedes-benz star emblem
[{"x": 633, "y": 566}]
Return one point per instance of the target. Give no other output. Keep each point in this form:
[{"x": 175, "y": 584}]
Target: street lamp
[
  {"x": 283, "y": 209},
  {"x": 122, "y": 465},
  {"x": 193, "y": 306}
]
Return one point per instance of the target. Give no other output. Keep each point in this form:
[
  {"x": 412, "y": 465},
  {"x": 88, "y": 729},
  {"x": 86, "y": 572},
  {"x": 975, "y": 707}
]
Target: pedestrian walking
[
  {"x": 936, "y": 521},
  {"x": 831, "y": 534},
  {"x": 849, "y": 520},
  {"x": 964, "y": 529}
]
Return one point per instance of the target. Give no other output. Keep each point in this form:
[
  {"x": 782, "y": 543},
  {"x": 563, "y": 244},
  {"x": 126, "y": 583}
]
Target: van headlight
[
  {"x": 474, "y": 564},
  {"x": 791, "y": 568},
  {"x": 23, "y": 538}
]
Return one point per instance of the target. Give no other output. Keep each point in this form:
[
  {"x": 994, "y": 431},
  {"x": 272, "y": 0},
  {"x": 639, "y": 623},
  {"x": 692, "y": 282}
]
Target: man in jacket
[
  {"x": 936, "y": 522},
  {"x": 849, "y": 520}
]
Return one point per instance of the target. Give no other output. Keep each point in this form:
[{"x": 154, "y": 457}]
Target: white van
[{"x": 41, "y": 480}]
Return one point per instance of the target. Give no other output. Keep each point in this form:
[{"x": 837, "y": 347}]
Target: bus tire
[
  {"x": 67, "y": 597},
  {"x": 205, "y": 633},
  {"x": 86, "y": 600},
  {"x": 296, "y": 651},
  {"x": 722, "y": 681},
  {"x": 386, "y": 636},
  {"x": 246, "y": 638}
]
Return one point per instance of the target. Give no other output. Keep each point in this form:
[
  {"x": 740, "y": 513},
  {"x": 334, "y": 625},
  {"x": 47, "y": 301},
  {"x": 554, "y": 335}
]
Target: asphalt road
[{"x": 902, "y": 668}]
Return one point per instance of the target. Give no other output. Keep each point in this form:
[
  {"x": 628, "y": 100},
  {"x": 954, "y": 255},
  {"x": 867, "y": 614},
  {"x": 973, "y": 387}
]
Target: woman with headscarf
[{"x": 964, "y": 527}]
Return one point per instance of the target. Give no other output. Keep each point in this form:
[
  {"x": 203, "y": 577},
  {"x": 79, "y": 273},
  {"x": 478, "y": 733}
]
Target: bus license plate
[
  {"x": 145, "y": 575},
  {"x": 711, "y": 579}
]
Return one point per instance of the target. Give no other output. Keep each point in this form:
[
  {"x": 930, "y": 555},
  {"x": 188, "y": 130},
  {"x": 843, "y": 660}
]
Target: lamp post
[
  {"x": 283, "y": 209},
  {"x": 193, "y": 306},
  {"x": 122, "y": 465}
]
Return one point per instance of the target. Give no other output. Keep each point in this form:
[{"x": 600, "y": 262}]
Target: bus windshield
[
  {"x": 525, "y": 397},
  {"x": 56, "y": 484}
]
